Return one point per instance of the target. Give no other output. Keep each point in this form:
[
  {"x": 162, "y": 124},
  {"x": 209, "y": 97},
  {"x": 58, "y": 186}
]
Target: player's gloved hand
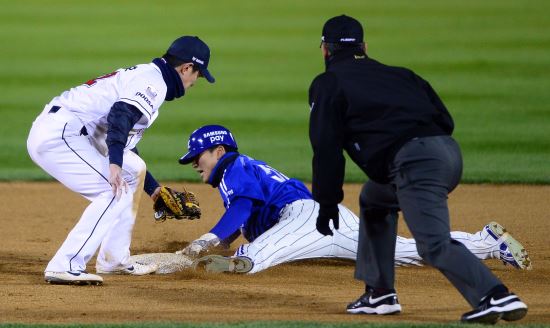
[
  {"x": 201, "y": 245},
  {"x": 327, "y": 213},
  {"x": 173, "y": 204}
]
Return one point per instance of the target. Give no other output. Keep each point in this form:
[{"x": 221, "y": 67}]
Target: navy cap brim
[
  {"x": 188, "y": 158},
  {"x": 207, "y": 75}
]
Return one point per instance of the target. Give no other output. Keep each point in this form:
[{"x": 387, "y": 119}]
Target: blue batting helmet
[{"x": 205, "y": 138}]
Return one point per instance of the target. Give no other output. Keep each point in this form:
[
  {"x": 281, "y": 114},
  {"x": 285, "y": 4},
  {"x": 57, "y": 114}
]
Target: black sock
[{"x": 379, "y": 291}]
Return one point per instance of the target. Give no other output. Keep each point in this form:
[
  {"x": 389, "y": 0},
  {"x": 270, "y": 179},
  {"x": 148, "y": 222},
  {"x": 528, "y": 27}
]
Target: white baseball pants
[
  {"x": 57, "y": 144},
  {"x": 295, "y": 237}
]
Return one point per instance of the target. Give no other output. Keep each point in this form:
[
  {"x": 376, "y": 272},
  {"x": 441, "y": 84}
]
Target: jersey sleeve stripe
[{"x": 140, "y": 105}]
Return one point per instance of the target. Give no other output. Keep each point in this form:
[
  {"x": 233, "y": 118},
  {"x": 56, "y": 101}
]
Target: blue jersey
[{"x": 268, "y": 189}]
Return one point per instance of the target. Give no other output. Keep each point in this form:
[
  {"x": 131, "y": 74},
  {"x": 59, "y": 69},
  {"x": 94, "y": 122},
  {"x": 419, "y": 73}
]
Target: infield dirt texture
[
  {"x": 36, "y": 217},
  {"x": 488, "y": 60}
]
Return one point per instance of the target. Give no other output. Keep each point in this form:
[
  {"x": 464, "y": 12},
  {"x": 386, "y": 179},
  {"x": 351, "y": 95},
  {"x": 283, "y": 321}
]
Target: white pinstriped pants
[
  {"x": 56, "y": 144},
  {"x": 295, "y": 237}
]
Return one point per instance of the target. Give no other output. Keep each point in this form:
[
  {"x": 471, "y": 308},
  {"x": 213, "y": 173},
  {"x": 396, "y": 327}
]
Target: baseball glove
[{"x": 172, "y": 204}]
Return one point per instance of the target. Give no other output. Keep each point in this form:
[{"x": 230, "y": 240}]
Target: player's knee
[
  {"x": 139, "y": 164},
  {"x": 135, "y": 165}
]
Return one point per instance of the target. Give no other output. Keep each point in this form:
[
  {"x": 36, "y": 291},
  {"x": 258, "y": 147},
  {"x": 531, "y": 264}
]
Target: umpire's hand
[{"x": 327, "y": 213}]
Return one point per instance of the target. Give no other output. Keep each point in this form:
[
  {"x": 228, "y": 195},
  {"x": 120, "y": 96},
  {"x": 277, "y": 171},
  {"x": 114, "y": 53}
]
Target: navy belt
[{"x": 55, "y": 109}]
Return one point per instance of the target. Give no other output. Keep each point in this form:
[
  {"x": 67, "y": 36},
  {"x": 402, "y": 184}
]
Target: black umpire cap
[{"x": 342, "y": 29}]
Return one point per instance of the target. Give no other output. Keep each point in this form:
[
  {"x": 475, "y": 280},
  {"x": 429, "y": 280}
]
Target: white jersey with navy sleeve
[
  {"x": 141, "y": 86},
  {"x": 67, "y": 140}
]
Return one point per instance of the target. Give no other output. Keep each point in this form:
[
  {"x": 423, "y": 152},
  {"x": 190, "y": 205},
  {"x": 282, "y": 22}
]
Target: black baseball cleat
[
  {"x": 502, "y": 305},
  {"x": 371, "y": 303}
]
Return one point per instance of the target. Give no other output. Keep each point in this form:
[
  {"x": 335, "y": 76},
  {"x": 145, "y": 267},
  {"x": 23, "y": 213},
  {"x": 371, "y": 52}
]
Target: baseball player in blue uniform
[
  {"x": 277, "y": 216},
  {"x": 86, "y": 138}
]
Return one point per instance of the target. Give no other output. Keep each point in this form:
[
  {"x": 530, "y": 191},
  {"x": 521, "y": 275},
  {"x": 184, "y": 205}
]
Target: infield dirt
[{"x": 36, "y": 217}]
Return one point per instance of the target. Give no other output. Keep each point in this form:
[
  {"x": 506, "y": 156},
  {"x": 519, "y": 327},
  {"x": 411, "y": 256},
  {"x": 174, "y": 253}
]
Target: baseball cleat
[
  {"x": 369, "y": 303},
  {"x": 218, "y": 263},
  {"x": 511, "y": 251},
  {"x": 135, "y": 269},
  {"x": 503, "y": 305},
  {"x": 72, "y": 278}
]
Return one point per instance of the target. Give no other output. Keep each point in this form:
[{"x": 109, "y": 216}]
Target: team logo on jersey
[
  {"x": 151, "y": 92},
  {"x": 144, "y": 97}
]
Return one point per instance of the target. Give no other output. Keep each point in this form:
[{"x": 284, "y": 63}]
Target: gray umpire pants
[{"x": 423, "y": 172}]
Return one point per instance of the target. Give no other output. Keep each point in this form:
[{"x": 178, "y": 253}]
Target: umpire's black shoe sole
[
  {"x": 505, "y": 305},
  {"x": 514, "y": 315}
]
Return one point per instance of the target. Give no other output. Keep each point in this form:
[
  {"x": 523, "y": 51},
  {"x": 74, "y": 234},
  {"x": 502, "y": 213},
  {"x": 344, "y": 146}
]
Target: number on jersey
[
  {"x": 273, "y": 174},
  {"x": 94, "y": 81}
]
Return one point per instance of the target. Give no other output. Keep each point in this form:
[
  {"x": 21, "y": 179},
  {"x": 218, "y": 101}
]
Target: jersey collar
[
  {"x": 217, "y": 173},
  {"x": 174, "y": 85},
  {"x": 344, "y": 54}
]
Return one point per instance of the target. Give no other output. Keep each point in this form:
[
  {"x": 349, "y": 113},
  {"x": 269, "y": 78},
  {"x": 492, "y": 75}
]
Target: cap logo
[
  {"x": 195, "y": 59},
  {"x": 347, "y": 40}
]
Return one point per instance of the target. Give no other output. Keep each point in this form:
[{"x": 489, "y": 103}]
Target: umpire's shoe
[
  {"x": 373, "y": 303},
  {"x": 492, "y": 308},
  {"x": 72, "y": 278}
]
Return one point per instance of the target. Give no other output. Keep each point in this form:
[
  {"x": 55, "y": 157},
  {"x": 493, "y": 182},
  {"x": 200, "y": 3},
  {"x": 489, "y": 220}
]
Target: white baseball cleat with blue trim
[
  {"x": 511, "y": 251},
  {"x": 72, "y": 278}
]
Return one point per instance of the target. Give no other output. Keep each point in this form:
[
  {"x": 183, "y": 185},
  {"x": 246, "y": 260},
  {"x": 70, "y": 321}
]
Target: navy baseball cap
[
  {"x": 192, "y": 49},
  {"x": 342, "y": 29},
  {"x": 205, "y": 138}
]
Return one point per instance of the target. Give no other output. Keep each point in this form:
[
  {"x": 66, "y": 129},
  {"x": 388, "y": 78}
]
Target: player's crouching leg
[{"x": 114, "y": 254}]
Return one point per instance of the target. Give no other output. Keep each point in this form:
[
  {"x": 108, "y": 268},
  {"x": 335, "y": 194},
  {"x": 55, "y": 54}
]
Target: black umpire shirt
[{"x": 370, "y": 110}]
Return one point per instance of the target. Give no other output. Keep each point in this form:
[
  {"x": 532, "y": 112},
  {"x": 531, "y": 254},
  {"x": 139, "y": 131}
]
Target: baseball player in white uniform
[
  {"x": 86, "y": 138},
  {"x": 277, "y": 215}
]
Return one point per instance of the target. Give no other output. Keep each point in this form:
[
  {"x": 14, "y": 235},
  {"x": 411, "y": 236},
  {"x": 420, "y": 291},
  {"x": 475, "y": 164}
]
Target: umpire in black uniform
[{"x": 397, "y": 130}]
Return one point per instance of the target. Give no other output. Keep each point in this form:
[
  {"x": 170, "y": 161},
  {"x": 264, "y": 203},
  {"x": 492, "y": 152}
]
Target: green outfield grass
[{"x": 489, "y": 60}]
